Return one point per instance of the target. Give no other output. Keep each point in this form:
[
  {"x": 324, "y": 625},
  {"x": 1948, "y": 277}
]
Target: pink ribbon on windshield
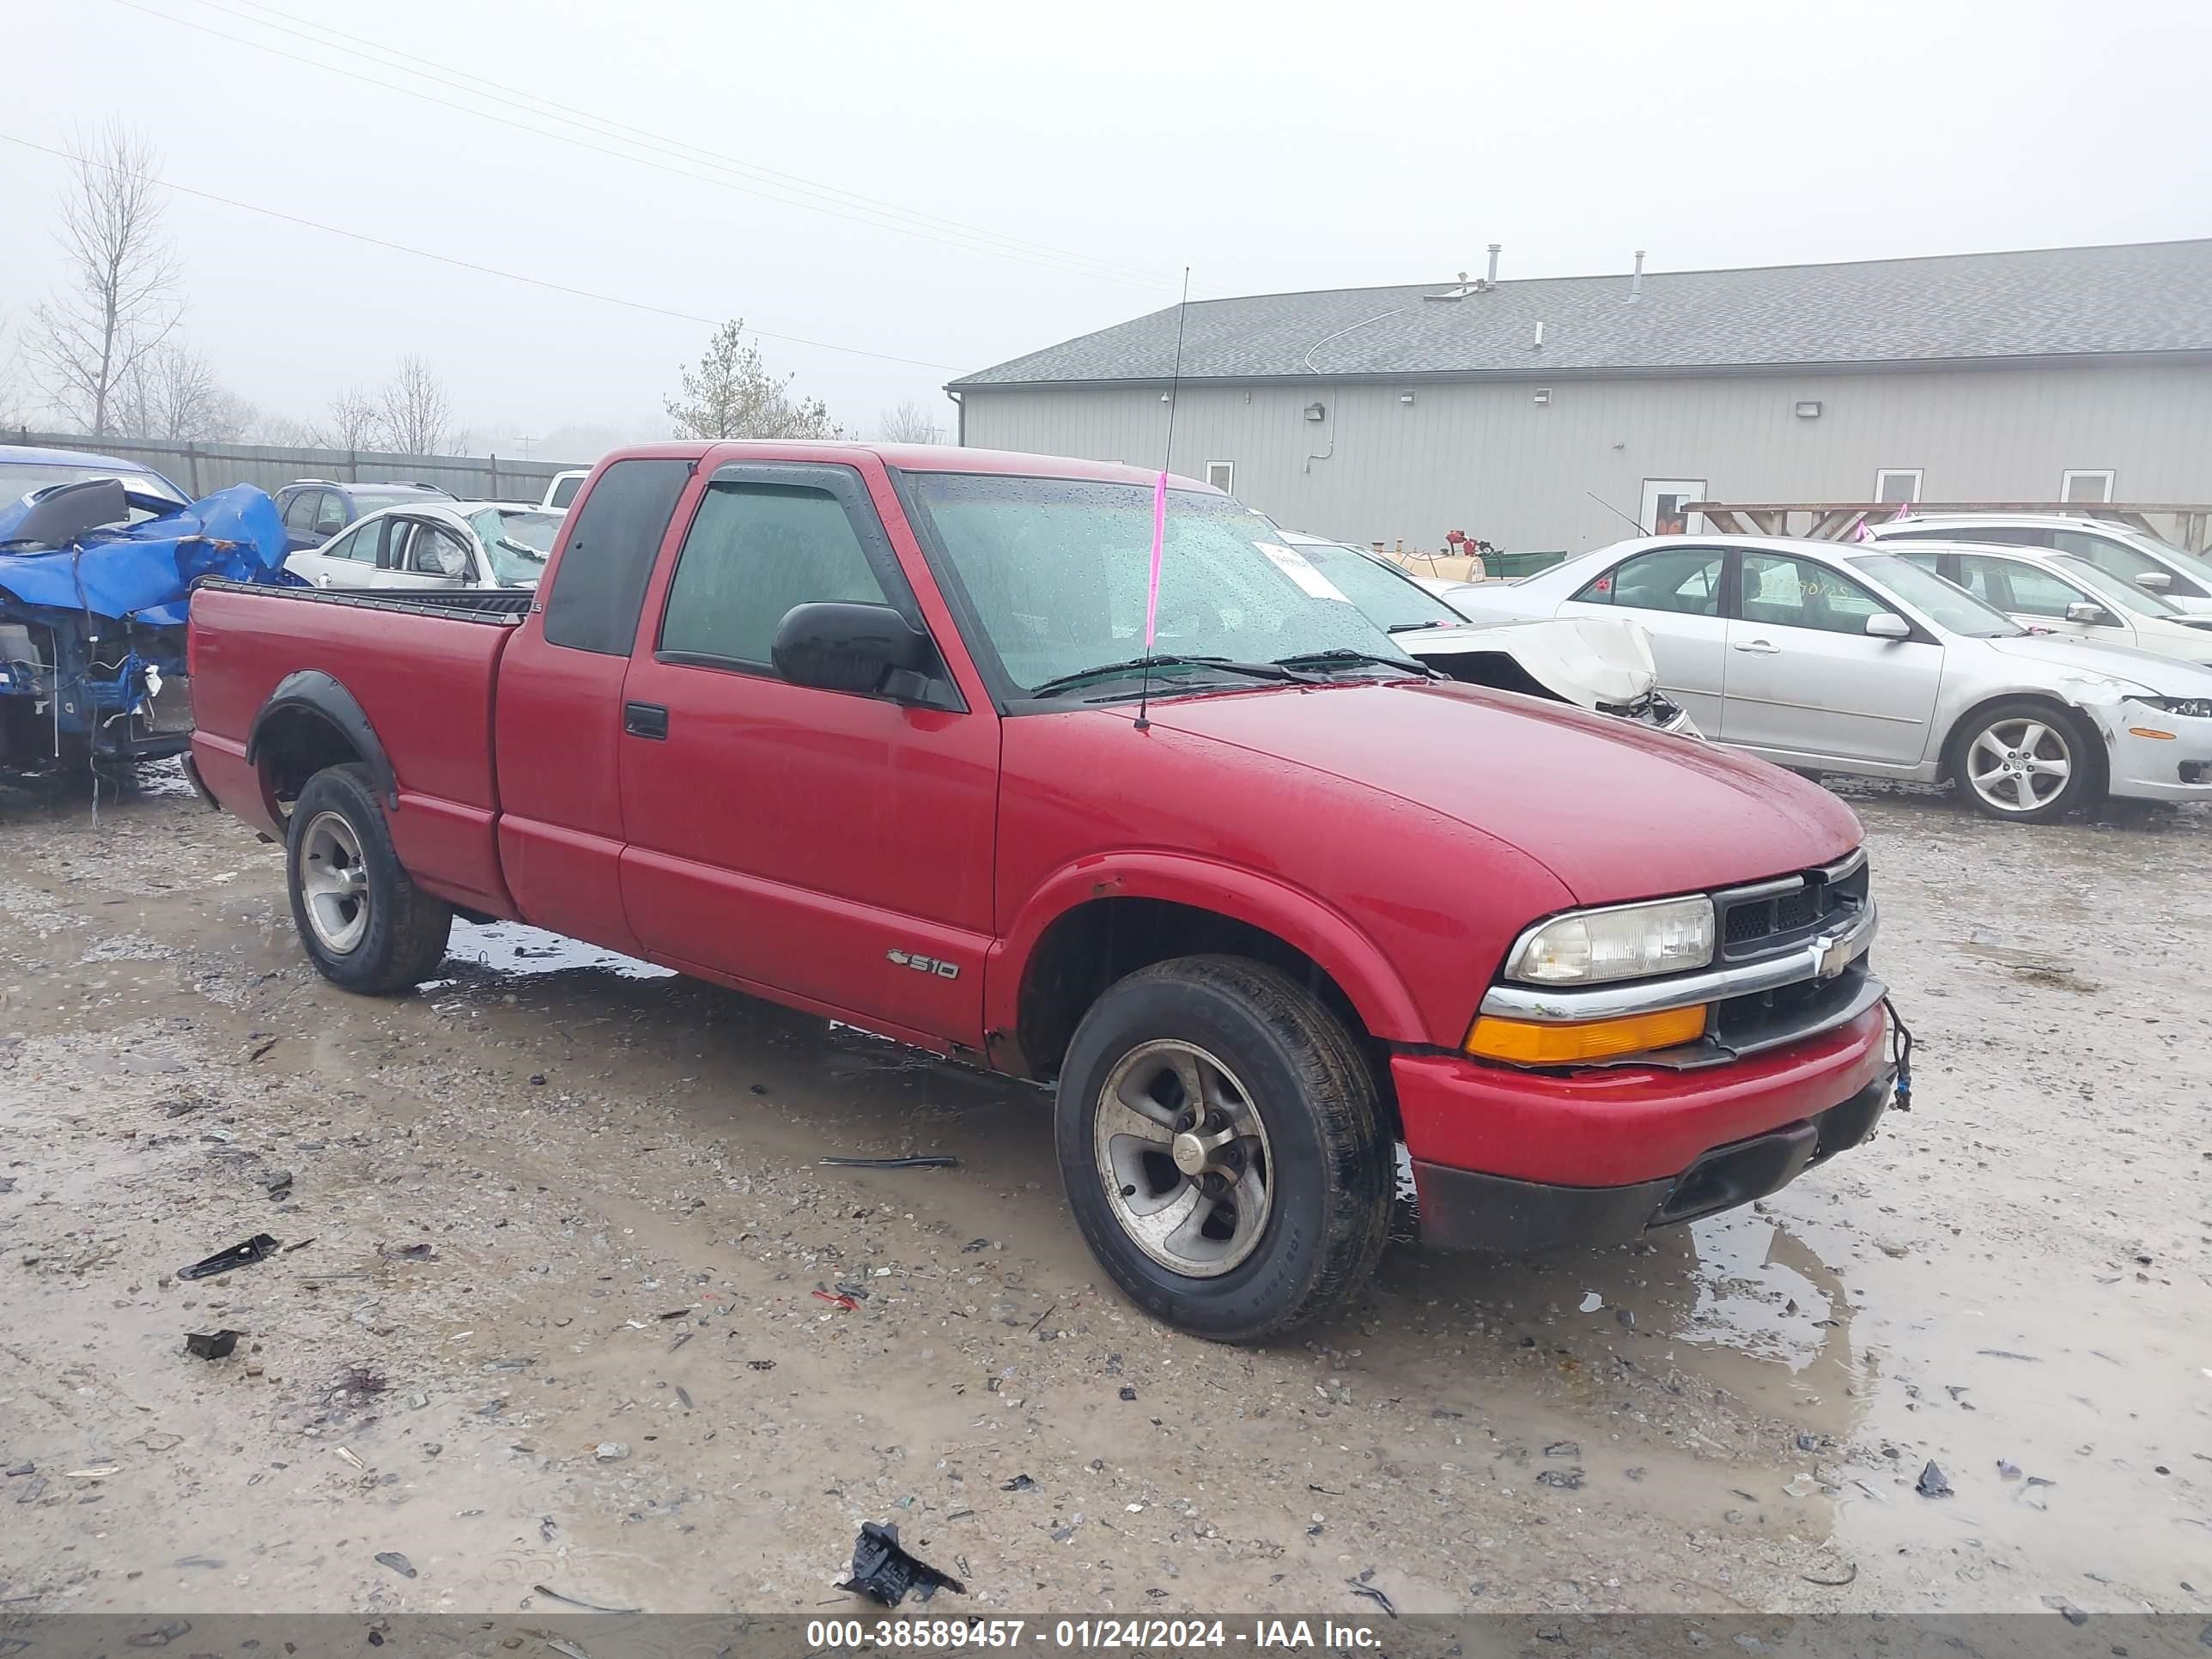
[{"x": 1159, "y": 534}]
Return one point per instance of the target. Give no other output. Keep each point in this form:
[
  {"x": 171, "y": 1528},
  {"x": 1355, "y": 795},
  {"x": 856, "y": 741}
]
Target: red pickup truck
[{"x": 872, "y": 732}]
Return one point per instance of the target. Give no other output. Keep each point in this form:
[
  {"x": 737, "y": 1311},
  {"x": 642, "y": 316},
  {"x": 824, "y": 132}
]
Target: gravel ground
[{"x": 545, "y": 1318}]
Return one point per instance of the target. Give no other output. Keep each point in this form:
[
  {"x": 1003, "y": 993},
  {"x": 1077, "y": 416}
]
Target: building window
[
  {"x": 1222, "y": 475},
  {"x": 2086, "y": 487},
  {"x": 1896, "y": 483}
]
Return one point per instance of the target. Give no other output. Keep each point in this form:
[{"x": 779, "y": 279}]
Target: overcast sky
[{"x": 1053, "y": 167}]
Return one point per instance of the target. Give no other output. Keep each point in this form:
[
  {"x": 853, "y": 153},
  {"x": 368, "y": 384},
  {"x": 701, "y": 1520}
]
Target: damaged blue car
[{"x": 97, "y": 561}]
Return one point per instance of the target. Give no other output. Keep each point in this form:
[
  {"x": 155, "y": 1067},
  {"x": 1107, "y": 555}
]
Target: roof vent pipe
[
  {"x": 1636, "y": 282},
  {"x": 1493, "y": 278}
]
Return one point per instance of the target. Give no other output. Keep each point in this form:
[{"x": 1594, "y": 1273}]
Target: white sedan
[
  {"x": 1849, "y": 658},
  {"x": 436, "y": 545},
  {"x": 2067, "y": 595}
]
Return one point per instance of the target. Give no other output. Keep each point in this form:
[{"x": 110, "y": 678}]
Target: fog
[{"x": 936, "y": 189}]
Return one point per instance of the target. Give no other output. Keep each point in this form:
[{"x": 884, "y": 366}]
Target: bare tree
[
  {"x": 909, "y": 424},
  {"x": 119, "y": 301},
  {"x": 14, "y": 401},
  {"x": 415, "y": 416},
  {"x": 284, "y": 431},
  {"x": 352, "y": 421},
  {"x": 172, "y": 393},
  {"x": 732, "y": 394}
]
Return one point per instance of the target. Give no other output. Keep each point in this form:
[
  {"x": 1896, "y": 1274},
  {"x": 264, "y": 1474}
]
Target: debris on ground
[
  {"x": 276, "y": 1183},
  {"x": 884, "y": 1572},
  {"x": 350, "y": 1457},
  {"x": 1592, "y": 1302},
  {"x": 839, "y": 1299},
  {"x": 210, "y": 1345},
  {"x": 760, "y": 1364},
  {"x": 928, "y": 1161},
  {"x": 1129, "y": 1394},
  {"x": 1020, "y": 1483},
  {"x": 1802, "y": 1486},
  {"x": 1931, "y": 1483},
  {"x": 611, "y": 1451},
  {"x": 1560, "y": 1447},
  {"x": 256, "y": 1249},
  {"x": 1564, "y": 1479},
  {"x": 588, "y": 1607},
  {"x": 408, "y": 1252},
  {"x": 1359, "y": 1586},
  {"x": 2007, "y": 1470},
  {"x": 398, "y": 1563}
]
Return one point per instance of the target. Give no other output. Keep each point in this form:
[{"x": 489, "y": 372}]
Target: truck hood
[{"x": 1615, "y": 811}]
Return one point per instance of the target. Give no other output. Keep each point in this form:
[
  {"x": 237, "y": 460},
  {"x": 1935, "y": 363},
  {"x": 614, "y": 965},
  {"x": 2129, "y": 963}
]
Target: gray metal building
[{"x": 1544, "y": 413}]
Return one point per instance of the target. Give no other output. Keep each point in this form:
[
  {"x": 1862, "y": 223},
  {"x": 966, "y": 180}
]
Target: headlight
[
  {"x": 2195, "y": 709},
  {"x": 1629, "y": 941}
]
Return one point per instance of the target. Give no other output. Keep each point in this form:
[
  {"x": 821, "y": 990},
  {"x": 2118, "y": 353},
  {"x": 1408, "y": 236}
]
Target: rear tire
[
  {"x": 2027, "y": 761},
  {"x": 1263, "y": 1213},
  {"x": 365, "y": 924}
]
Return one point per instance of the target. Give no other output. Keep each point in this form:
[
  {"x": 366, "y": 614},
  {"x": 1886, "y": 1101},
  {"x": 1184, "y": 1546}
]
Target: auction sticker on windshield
[{"x": 1301, "y": 570}]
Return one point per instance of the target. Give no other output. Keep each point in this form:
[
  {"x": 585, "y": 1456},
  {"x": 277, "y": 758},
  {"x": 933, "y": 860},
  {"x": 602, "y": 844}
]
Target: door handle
[
  {"x": 646, "y": 720},
  {"x": 1757, "y": 647}
]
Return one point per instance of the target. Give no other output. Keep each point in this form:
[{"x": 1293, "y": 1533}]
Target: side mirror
[
  {"x": 2083, "y": 611},
  {"x": 868, "y": 649},
  {"x": 1888, "y": 625},
  {"x": 2156, "y": 580}
]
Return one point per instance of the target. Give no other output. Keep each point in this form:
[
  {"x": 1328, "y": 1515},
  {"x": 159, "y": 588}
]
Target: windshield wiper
[
  {"x": 1415, "y": 628},
  {"x": 1258, "y": 670},
  {"x": 1340, "y": 657}
]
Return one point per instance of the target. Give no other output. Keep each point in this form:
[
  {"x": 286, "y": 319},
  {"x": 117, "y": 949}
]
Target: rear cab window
[{"x": 607, "y": 557}]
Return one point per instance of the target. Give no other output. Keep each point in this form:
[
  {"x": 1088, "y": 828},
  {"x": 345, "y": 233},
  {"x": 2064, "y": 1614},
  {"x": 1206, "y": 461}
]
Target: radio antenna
[{"x": 1160, "y": 515}]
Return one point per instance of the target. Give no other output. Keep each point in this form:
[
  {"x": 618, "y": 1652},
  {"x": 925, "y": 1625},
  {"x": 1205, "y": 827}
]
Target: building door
[{"x": 1663, "y": 501}]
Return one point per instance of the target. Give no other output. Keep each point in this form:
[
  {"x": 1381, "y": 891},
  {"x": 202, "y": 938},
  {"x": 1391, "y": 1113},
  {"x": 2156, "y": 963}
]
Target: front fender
[{"x": 1343, "y": 951}]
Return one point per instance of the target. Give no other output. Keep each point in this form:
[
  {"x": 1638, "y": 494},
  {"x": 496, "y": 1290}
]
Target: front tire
[
  {"x": 365, "y": 924},
  {"x": 1218, "y": 1140},
  {"x": 2027, "y": 762}
]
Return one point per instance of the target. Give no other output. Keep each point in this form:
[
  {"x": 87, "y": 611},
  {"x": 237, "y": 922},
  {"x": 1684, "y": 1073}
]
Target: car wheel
[
  {"x": 2027, "y": 761},
  {"x": 365, "y": 924},
  {"x": 1218, "y": 1138}
]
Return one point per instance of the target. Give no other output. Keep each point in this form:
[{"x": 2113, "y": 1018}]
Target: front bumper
[
  {"x": 1467, "y": 1210},
  {"x": 2177, "y": 766}
]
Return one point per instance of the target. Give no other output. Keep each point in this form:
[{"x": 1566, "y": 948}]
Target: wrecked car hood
[
  {"x": 145, "y": 571},
  {"x": 1591, "y": 661}
]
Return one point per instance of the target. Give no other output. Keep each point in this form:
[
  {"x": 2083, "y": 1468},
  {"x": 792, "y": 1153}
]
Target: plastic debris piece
[
  {"x": 1931, "y": 1483},
  {"x": 351, "y": 1459},
  {"x": 683, "y": 1394},
  {"x": 398, "y": 1563},
  {"x": 255, "y": 1249},
  {"x": 760, "y": 1364},
  {"x": 611, "y": 1451},
  {"x": 210, "y": 1345},
  {"x": 99, "y": 1472},
  {"x": 884, "y": 1572},
  {"x": 973, "y": 1245},
  {"x": 1564, "y": 1479},
  {"x": 2008, "y": 1470},
  {"x": 928, "y": 1161},
  {"x": 1557, "y": 1448},
  {"x": 1592, "y": 1302},
  {"x": 588, "y": 1607},
  {"x": 408, "y": 1252},
  {"x": 1129, "y": 1394},
  {"x": 1802, "y": 1486},
  {"x": 839, "y": 1300},
  {"x": 1359, "y": 1587},
  {"x": 2007, "y": 1353},
  {"x": 1020, "y": 1483}
]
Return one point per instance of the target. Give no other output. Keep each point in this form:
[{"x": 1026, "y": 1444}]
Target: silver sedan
[{"x": 1847, "y": 658}]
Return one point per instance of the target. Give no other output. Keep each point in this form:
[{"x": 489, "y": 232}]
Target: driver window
[
  {"x": 1782, "y": 592},
  {"x": 753, "y": 552},
  {"x": 330, "y": 515}
]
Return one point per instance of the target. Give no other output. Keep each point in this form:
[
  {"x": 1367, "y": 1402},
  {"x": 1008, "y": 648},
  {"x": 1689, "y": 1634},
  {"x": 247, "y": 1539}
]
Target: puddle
[
  {"x": 1750, "y": 1301},
  {"x": 511, "y": 948}
]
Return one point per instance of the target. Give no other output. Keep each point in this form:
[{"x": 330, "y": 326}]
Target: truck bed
[{"x": 433, "y": 720}]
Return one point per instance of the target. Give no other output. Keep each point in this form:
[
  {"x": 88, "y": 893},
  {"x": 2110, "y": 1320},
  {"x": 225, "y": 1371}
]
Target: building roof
[{"x": 2145, "y": 297}]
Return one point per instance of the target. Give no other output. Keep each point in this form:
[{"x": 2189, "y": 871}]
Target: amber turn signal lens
[{"x": 1537, "y": 1042}]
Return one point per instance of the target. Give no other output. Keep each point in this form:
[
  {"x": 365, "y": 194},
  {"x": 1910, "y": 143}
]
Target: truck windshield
[
  {"x": 1389, "y": 599},
  {"x": 1057, "y": 570}
]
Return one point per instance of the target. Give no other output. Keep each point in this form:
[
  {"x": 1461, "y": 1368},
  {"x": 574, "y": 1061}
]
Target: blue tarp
[{"x": 145, "y": 572}]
